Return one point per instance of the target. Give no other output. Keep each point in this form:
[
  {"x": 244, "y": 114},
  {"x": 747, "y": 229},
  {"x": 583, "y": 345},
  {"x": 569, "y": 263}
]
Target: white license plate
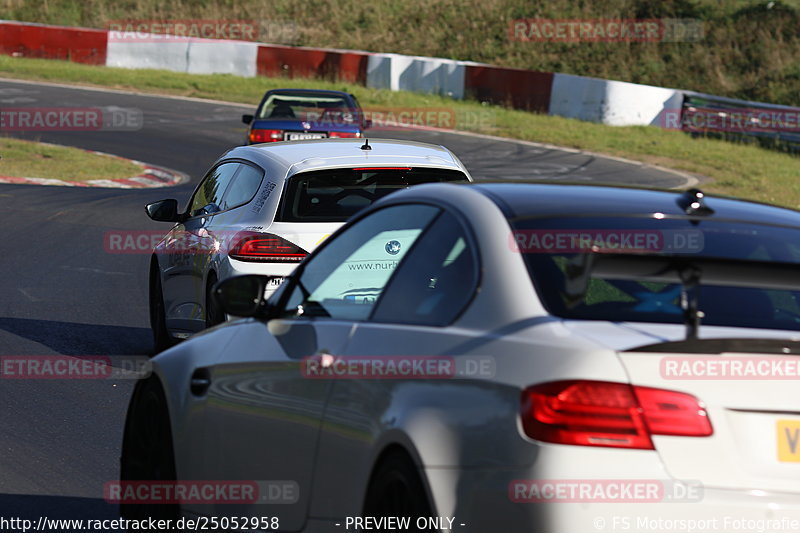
[{"x": 304, "y": 136}]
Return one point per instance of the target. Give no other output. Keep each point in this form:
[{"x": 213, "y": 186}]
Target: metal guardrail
[{"x": 772, "y": 126}]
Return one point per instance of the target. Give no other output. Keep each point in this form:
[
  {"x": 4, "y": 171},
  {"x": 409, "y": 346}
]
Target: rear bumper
[{"x": 232, "y": 267}]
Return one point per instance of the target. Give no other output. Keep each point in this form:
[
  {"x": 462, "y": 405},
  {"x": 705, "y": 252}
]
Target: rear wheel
[
  {"x": 158, "y": 316},
  {"x": 396, "y": 490},
  {"x": 147, "y": 453}
]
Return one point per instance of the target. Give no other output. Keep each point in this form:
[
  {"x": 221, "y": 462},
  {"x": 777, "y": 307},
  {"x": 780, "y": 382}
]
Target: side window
[
  {"x": 244, "y": 187},
  {"x": 212, "y": 188},
  {"x": 345, "y": 279},
  {"x": 435, "y": 282}
]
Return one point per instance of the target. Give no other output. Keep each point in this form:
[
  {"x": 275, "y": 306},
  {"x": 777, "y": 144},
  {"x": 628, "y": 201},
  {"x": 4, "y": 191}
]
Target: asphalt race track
[{"x": 62, "y": 293}]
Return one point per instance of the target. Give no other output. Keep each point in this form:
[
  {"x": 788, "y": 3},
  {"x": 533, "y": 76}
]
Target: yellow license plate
[{"x": 788, "y": 441}]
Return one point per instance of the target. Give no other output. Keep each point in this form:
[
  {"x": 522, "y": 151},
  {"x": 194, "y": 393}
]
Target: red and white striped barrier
[
  {"x": 615, "y": 103},
  {"x": 301, "y": 62},
  {"x": 417, "y": 74},
  {"x": 191, "y": 55},
  {"x": 521, "y": 89},
  {"x": 82, "y": 45},
  {"x": 590, "y": 99}
]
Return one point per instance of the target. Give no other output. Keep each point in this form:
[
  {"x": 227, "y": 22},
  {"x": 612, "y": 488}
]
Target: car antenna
[
  {"x": 693, "y": 203},
  {"x": 366, "y": 145}
]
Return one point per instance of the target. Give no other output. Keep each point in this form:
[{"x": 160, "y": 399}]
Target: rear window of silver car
[{"x": 335, "y": 195}]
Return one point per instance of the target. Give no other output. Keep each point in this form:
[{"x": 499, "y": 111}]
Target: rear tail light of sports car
[
  {"x": 265, "y": 136},
  {"x": 266, "y": 247},
  {"x": 344, "y": 135},
  {"x": 601, "y": 413}
]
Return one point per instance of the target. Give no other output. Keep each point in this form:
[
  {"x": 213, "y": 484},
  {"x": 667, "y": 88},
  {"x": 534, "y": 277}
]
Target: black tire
[
  {"x": 214, "y": 315},
  {"x": 396, "y": 490},
  {"x": 147, "y": 452},
  {"x": 158, "y": 316}
]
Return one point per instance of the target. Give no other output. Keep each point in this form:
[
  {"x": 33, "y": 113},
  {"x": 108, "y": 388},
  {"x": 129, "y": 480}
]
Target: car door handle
[{"x": 200, "y": 382}]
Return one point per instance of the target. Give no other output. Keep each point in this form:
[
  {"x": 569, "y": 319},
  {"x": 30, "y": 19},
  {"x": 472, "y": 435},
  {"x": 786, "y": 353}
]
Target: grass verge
[
  {"x": 734, "y": 169},
  {"x": 739, "y": 48},
  {"x": 30, "y": 159}
]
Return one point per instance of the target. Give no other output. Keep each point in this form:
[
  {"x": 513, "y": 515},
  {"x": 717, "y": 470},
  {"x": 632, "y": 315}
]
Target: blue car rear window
[{"x": 309, "y": 108}]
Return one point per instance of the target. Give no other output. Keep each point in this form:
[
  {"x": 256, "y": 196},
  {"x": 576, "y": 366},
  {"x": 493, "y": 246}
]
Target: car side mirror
[
  {"x": 247, "y": 119},
  {"x": 163, "y": 211},
  {"x": 243, "y": 296}
]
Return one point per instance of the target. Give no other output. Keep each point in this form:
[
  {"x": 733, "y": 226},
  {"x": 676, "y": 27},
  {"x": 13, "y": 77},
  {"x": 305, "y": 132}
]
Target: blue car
[{"x": 300, "y": 114}]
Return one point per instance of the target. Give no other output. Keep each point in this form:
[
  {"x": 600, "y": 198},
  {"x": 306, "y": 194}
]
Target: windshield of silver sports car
[{"x": 335, "y": 195}]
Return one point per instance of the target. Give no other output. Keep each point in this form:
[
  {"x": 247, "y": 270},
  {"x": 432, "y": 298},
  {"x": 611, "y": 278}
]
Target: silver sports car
[{"x": 493, "y": 357}]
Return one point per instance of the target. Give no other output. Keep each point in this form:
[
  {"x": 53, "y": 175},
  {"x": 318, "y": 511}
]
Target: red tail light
[
  {"x": 265, "y": 136},
  {"x": 601, "y": 413},
  {"x": 673, "y": 413},
  {"x": 343, "y": 135},
  {"x": 267, "y": 247}
]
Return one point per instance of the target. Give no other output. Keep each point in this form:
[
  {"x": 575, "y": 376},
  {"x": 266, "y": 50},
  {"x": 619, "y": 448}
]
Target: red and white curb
[{"x": 150, "y": 177}]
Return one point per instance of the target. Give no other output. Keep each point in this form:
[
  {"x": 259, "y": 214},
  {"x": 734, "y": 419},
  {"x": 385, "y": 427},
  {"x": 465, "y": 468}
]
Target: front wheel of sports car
[
  {"x": 147, "y": 453},
  {"x": 396, "y": 490}
]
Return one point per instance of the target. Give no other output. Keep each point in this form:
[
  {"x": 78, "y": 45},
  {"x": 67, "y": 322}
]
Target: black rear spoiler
[
  {"x": 718, "y": 346},
  {"x": 687, "y": 271}
]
